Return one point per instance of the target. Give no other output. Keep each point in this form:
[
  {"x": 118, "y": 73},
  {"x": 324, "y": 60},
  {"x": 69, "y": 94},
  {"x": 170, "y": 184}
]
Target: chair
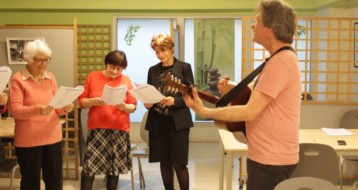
[
  {"x": 83, "y": 139},
  {"x": 318, "y": 160},
  {"x": 349, "y": 120},
  {"x": 7, "y": 166},
  {"x": 307, "y": 183},
  {"x": 143, "y": 152},
  {"x": 83, "y": 132}
]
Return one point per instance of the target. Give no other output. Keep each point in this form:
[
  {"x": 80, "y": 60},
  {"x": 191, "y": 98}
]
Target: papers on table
[
  {"x": 337, "y": 131},
  {"x": 5, "y": 74},
  {"x": 147, "y": 94},
  {"x": 114, "y": 95},
  {"x": 65, "y": 96}
]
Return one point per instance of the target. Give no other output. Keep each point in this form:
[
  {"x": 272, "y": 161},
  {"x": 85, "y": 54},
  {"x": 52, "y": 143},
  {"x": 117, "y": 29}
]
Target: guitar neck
[
  {"x": 208, "y": 97},
  {"x": 172, "y": 84}
]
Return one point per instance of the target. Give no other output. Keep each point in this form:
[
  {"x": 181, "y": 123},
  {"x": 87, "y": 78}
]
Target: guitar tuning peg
[
  {"x": 176, "y": 90},
  {"x": 172, "y": 77},
  {"x": 179, "y": 81}
]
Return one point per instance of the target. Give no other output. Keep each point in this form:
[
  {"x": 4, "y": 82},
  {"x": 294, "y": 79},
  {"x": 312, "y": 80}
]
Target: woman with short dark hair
[{"x": 108, "y": 147}]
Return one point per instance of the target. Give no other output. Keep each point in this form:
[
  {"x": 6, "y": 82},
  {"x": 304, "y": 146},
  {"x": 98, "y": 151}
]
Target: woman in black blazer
[{"x": 169, "y": 121}]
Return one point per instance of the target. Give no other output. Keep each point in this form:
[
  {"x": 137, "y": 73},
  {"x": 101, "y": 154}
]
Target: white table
[
  {"x": 230, "y": 148},
  {"x": 7, "y": 128}
]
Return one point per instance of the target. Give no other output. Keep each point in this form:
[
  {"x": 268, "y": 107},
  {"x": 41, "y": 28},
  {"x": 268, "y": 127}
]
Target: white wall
[{"x": 59, "y": 40}]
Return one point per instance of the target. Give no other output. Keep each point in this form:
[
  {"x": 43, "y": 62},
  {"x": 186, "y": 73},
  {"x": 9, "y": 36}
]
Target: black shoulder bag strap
[{"x": 227, "y": 98}]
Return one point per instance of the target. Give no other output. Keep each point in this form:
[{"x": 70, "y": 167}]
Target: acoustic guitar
[{"x": 173, "y": 84}]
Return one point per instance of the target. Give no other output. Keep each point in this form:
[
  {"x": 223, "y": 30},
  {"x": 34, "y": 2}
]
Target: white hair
[{"x": 32, "y": 48}]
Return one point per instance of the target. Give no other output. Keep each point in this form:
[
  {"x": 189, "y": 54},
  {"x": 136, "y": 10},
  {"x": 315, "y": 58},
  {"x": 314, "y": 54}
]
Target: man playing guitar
[{"x": 272, "y": 113}]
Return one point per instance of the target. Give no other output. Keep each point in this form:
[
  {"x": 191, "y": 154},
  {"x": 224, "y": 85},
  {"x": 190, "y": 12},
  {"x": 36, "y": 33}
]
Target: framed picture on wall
[{"x": 15, "y": 48}]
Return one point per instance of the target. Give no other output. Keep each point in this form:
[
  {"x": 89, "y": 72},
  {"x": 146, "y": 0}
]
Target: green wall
[{"x": 58, "y": 12}]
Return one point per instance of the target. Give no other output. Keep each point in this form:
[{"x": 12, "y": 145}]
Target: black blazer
[{"x": 181, "y": 113}]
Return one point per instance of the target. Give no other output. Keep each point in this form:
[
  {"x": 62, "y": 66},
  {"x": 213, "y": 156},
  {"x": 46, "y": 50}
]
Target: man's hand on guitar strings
[{"x": 193, "y": 101}]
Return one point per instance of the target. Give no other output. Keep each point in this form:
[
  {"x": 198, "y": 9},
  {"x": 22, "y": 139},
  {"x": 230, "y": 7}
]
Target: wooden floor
[{"x": 203, "y": 170}]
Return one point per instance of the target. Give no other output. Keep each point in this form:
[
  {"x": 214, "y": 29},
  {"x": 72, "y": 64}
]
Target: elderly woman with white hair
[{"x": 38, "y": 131}]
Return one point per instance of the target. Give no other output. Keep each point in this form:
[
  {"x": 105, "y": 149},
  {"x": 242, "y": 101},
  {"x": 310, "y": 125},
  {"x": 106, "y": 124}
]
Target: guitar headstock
[{"x": 173, "y": 84}]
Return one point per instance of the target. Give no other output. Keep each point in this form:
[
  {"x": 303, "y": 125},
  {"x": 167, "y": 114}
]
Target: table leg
[
  {"x": 221, "y": 167},
  {"x": 340, "y": 172},
  {"x": 229, "y": 170}
]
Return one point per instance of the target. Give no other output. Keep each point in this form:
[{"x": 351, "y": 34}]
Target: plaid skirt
[{"x": 107, "y": 152}]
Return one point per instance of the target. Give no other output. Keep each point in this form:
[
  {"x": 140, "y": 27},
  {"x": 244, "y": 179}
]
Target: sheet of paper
[
  {"x": 337, "y": 131},
  {"x": 138, "y": 85},
  {"x": 147, "y": 94},
  {"x": 65, "y": 96},
  {"x": 114, "y": 95},
  {"x": 5, "y": 74}
]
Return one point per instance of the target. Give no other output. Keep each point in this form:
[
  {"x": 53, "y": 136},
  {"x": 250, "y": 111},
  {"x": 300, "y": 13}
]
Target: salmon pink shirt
[
  {"x": 273, "y": 134},
  {"x": 32, "y": 128}
]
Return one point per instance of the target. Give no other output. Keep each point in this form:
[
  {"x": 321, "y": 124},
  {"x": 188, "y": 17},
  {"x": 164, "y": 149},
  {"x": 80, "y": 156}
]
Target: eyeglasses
[
  {"x": 42, "y": 60},
  {"x": 112, "y": 68},
  {"x": 255, "y": 20}
]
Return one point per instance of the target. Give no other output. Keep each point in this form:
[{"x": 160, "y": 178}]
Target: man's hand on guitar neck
[{"x": 194, "y": 102}]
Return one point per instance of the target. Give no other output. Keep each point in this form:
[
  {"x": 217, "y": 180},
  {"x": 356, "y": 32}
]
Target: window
[
  {"x": 133, "y": 37},
  {"x": 324, "y": 46},
  {"x": 205, "y": 43},
  {"x": 325, "y": 49}
]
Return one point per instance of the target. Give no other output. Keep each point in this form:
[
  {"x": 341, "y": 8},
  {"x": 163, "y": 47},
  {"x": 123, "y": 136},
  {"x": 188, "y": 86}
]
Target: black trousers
[
  {"x": 32, "y": 160},
  {"x": 266, "y": 177}
]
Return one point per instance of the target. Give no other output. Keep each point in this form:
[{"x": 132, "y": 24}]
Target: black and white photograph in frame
[{"x": 15, "y": 48}]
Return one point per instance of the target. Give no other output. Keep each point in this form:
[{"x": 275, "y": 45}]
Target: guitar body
[
  {"x": 173, "y": 84},
  {"x": 241, "y": 99}
]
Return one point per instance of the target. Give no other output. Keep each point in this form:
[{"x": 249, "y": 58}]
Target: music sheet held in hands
[
  {"x": 5, "y": 74},
  {"x": 65, "y": 95},
  {"x": 147, "y": 93},
  {"x": 114, "y": 95}
]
